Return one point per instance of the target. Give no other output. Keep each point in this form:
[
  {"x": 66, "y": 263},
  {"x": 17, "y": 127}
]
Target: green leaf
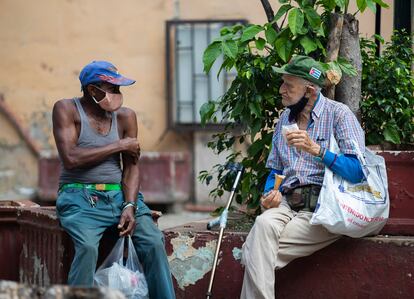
[
  {"x": 210, "y": 55},
  {"x": 283, "y": 47},
  {"x": 328, "y": 4},
  {"x": 382, "y": 3},
  {"x": 346, "y": 67},
  {"x": 206, "y": 111},
  {"x": 260, "y": 43},
  {"x": 391, "y": 134},
  {"x": 250, "y": 32},
  {"x": 362, "y": 4},
  {"x": 230, "y": 48},
  {"x": 308, "y": 44},
  {"x": 255, "y": 128},
  {"x": 313, "y": 17},
  {"x": 271, "y": 35},
  {"x": 255, "y": 108},
  {"x": 320, "y": 31},
  {"x": 341, "y": 4},
  {"x": 371, "y": 5},
  {"x": 282, "y": 10},
  {"x": 255, "y": 147},
  {"x": 295, "y": 20}
]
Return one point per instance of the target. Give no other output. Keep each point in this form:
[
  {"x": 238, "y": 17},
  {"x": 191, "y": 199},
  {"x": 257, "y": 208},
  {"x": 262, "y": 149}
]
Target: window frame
[{"x": 170, "y": 68}]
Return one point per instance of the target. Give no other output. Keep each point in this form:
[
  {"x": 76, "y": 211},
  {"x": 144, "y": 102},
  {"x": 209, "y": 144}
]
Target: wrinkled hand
[
  {"x": 301, "y": 140},
  {"x": 127, "y": 222},
  {"x": 131, "y": 147},
  {"x": 272, "y": 200}
]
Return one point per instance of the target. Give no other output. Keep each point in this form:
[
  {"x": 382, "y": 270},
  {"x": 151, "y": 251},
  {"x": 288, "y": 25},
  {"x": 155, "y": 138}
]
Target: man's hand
[
  {"x": 130, "y": 146},
  {"x": 127, "y": 222},
  {"x": 300, "y": 139},
  {"x": 272, "y": 200}
]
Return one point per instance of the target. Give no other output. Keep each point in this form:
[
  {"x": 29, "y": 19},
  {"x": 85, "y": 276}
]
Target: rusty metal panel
[
  {"x": 378, "y": 267},
  {"x": 164, "y": 177},
  {"x": 46, "y": 249},
  {"x": 190, "y": 249},
  {"x": 10, "y": 238},
  {"x": 400, "y": 171}
]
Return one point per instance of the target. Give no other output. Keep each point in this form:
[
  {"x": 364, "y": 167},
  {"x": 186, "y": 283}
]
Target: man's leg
[
  {"x": 299, "y": 238},
  {"x": 149, "y": 245},
  {"x": 260, "y": 252},
  {"x": 85, "y": 224}
]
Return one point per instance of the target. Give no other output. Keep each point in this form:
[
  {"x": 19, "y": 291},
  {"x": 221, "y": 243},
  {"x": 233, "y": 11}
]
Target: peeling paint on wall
[
  {"x": 40, "y": 124},
  {"x": 188, "y": 264}
]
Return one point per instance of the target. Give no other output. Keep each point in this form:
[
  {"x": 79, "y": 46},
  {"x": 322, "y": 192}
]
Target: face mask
[
  {"x": 111, "y": 102},
  {"x": 297, "y": 108}
]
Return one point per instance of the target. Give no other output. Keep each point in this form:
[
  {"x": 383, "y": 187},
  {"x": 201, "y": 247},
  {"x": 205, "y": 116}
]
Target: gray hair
[{"x": 308, "y": 83}]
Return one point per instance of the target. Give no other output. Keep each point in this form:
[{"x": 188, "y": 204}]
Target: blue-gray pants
[{"x": 86, "y": 222}]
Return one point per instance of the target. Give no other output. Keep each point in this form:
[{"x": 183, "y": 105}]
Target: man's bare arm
[
  {"x": 130, "y": 174},
  {"x": 64, "y": 131}
]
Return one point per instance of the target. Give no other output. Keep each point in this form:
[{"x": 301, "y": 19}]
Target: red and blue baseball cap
[{"x": 102, "y": 71}]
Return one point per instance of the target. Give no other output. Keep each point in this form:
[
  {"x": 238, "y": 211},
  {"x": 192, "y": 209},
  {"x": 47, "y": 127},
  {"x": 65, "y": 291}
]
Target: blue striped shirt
[{"x": 301, "y": 168}]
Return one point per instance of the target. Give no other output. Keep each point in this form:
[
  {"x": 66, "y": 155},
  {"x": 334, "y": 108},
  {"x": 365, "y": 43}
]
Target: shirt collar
[{"x": 320, "y": 103}]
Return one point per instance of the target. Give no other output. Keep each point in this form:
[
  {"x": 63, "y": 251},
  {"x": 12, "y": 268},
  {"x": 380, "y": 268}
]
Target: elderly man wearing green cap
[
  {"x": 300, "y": 152},
  {"x": 96, "y": 193}
]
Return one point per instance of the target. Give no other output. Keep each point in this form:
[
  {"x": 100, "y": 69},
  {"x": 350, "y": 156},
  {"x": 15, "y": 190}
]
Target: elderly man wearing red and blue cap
[
  {"x": 300, "y": 152},
  {"x": 93, "y": 133}
]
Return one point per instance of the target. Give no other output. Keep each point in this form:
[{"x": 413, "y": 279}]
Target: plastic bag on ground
[{"x": 127, "y": 276}]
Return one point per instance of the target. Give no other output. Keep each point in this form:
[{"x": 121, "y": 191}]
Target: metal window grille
[{"x": 188, "y": 87}]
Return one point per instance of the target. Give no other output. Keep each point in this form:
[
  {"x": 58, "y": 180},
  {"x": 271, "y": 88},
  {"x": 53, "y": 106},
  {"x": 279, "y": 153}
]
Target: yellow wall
[{"x": 45, "y": 43}]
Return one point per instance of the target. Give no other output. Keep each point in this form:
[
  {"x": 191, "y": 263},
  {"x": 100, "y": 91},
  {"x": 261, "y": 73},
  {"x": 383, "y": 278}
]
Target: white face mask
[{"x": 111, "y": 102}]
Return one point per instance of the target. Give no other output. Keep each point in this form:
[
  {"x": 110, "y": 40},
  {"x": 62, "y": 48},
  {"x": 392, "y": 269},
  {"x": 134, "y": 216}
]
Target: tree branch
[{"x": 269, "y": 14}]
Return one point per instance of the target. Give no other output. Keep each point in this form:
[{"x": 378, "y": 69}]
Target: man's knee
[
  {"x": 269, "y": 225},
  {"x": 87, "y": 249}
]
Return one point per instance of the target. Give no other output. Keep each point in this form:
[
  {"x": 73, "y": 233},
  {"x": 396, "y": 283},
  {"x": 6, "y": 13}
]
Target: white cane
[{"x": 222, "y": 220}]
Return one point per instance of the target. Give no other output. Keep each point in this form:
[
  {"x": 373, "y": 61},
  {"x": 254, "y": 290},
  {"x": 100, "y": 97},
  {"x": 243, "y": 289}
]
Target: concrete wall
[{"x": 45, "y": 43}]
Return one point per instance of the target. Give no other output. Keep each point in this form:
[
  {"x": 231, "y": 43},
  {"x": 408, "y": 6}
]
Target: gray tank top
[{"x": 107, "y": 171}]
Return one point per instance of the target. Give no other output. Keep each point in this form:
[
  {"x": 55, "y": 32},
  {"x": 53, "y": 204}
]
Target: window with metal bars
[{"x": 188, "y": 87}]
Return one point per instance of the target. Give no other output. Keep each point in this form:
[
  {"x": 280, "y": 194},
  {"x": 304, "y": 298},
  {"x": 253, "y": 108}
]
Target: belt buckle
[{"x": 100, "y": 187}]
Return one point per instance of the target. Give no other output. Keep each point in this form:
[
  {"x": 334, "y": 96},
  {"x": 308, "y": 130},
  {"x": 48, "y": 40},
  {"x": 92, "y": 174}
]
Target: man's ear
[
  {"x": 310, "y": 92},
  {"x": 91, "y": 90}
]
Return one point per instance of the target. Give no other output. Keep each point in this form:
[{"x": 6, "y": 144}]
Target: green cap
[{"x": 304, "y": 67}]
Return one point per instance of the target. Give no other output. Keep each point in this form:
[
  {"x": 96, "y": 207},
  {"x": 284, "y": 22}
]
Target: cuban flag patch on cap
[{"x": 314, "y": 72}]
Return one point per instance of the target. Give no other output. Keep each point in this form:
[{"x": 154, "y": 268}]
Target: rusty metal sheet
[
  {"x": 46, "y": 249},
  {"x": 10, "y": 238},
  {"x": 379, "y": 267},
  {"x": 400, "y": 171}
]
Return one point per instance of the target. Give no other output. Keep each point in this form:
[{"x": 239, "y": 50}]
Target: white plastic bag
[
  {"x": 126, "y": 277},
  {"x": 354, "y": 210}
]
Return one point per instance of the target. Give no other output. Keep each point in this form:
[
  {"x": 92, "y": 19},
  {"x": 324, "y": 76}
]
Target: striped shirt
[{"x": 327, "y": 117}]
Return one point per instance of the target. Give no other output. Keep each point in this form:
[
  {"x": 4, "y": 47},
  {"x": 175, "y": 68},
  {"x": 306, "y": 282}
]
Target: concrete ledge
[
  {"x": 377, "y": 267},
  {"x": 11, "y": 289}
]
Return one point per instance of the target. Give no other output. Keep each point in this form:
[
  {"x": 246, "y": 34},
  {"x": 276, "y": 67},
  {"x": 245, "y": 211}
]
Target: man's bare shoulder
[
  {"x": 64, "y": 105},
  {"x": 126, "y": 115}
]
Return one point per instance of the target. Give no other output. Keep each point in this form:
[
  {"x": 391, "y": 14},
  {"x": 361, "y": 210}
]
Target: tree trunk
[
  {"x": 332, "y": 48},
  {"x": 348, "y": 90}
]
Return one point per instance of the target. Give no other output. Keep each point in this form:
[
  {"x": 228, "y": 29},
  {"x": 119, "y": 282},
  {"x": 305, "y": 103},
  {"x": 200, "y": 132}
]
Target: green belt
[{"x": 98, "y": 187}]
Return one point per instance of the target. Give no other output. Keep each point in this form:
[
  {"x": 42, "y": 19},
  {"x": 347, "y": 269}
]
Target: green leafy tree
[
  {"x": 388, "y": 91},
  {"x": 251, "y": 106}
]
